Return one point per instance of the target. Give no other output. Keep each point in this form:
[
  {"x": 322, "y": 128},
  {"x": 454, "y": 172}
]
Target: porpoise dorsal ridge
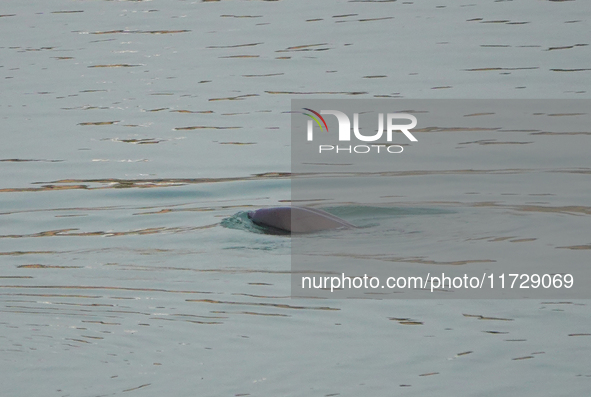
[{"x": 298, "y": 219}]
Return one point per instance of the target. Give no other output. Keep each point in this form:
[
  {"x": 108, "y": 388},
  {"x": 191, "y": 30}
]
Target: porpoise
[{"x": 297, "y": 219}]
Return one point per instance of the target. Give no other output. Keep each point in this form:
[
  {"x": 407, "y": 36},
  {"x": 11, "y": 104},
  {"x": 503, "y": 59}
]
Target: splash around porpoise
[
  {"x": 277, "y": 220},
  {"x": 285, "y": 221}
]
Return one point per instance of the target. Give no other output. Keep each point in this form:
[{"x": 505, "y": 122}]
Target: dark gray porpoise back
[{"x": 298, "y": 219}]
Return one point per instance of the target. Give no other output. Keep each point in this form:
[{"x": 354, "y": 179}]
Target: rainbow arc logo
[{"x": 318, "y": 116}]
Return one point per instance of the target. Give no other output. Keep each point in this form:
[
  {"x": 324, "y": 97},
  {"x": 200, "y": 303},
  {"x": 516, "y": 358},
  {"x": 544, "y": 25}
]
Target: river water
[{"x": 136, "y": 134}]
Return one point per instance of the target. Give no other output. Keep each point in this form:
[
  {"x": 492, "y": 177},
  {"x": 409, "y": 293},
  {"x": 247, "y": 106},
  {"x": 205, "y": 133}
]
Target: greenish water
[{"x": 134, "y": 131}]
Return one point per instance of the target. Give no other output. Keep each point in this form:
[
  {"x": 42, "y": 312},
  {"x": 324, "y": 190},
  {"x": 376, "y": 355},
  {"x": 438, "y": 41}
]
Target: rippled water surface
[{"x": 136, "y": 134}]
